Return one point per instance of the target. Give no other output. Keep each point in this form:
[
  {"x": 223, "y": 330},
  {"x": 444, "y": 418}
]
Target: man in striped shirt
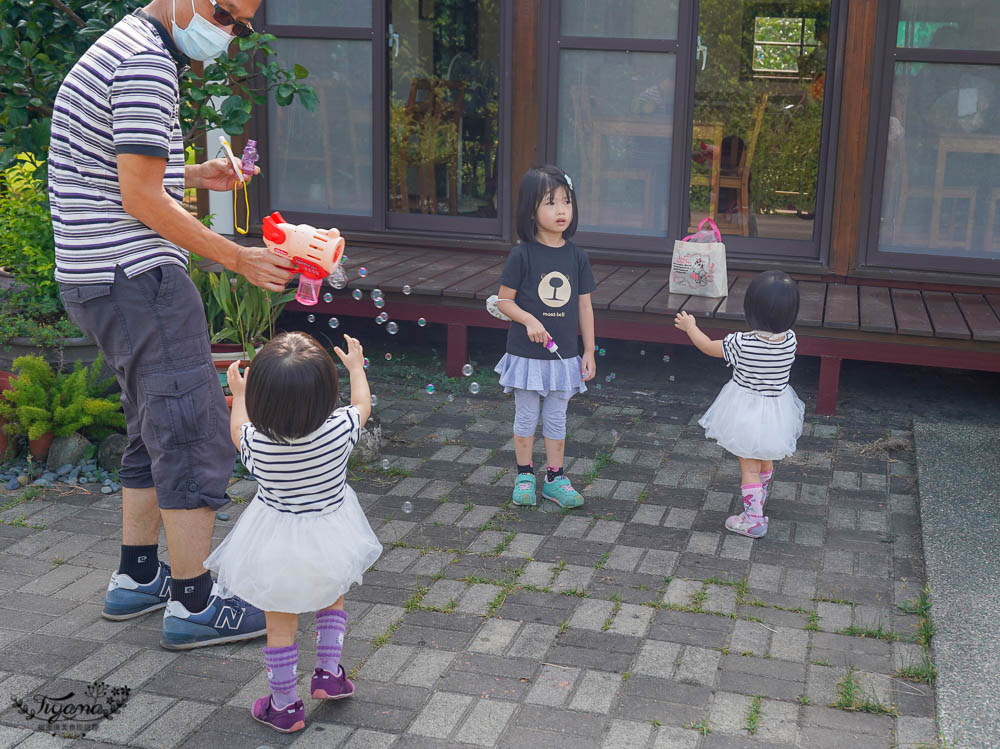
[{"x": 117, "y": 177}]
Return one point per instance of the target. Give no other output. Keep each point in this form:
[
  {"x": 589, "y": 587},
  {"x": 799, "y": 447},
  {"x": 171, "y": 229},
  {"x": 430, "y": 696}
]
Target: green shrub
[
  {"x": 27, "y": 246},
  {"x": 42, "y": 401}
]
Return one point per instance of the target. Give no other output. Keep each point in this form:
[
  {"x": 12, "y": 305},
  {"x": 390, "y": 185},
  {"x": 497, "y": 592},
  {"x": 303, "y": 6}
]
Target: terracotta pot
[
  {"x": 224, "y": 354},
  {"x": 229, "y": 402},
  {"x": 39, "y": 448}
]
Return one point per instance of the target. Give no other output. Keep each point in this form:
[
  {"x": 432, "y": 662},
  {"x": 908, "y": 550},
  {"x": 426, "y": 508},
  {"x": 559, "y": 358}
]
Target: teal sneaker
[
  {"x": 524, "y": 490},
  {"x": 561, "y": 491}
]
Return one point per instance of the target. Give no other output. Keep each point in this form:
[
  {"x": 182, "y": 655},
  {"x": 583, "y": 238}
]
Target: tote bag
[{"x": 699, "y": 263}]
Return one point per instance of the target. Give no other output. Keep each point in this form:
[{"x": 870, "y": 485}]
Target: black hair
[
  {"x": 539, "y": 183},
  {"x": 291, "y": 387},
  {"x": 771, "y": 303}
]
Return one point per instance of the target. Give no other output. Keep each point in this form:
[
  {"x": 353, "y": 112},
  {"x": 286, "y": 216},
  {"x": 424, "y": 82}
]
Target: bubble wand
[{"x": 493, "y": 307}]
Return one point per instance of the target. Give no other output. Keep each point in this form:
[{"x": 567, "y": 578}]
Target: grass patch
[
  {"x": 701, "y": 727},
  {"x": 828, "y": 599},
  {"x": 851, "y": 696},
  {"x": 599, "y": 564},
  {"x": 576, "y": 593},
  {"x": 873, "y": 633},
  {"x": 601, "y": 461},
  {"x": 753, "y": 715},
  {"x": 924, "y": 673},
  {"x": 563, "y": 626},
  {"x": 813, "y": 625}
]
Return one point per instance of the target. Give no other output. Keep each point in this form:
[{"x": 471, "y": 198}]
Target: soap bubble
[
  {"x": 384, "y": 316},
  {"x": 357, "y": 294},
  {"x": 374, "y": 401},
  {"x": 671, "y": 378},
  {"x": 430, "y": 388},
  {"x": 310, "y": 318},
  {"x": 407, "y": 507},
  {"x": 334, "y": 322},
  {"x": 642, "y": 352},
  {"x": 338, "y": 282},
  {"x": 328, "y": 297},
  {"x": 388, "y": 357},
  {"x": 393, "y": 328},
  {"x": 608, "y": 378},
  {"x": 379, "y": 303},
  {"x": 467, "y": 370},
  {"x": 407, "y": 290},
  {"x": 362, "y": 271},
  {"x": 598, "y": 386},
  {"x": 613, "y": 376},
  {"x": 379, "y": 320},
  {"x": 474, "y": 388},
  {"x": 601, "y": 352},
  {"x": 451, "y": 397},
  {"x": 344, "y": 260},
  {"x": 385, "y": 464},
  {"x": 367, "y": 363},
  {"x": 421, "y": 322},
  {"x": 376, "y": 293},
  {"x": 666, "y": 359}
]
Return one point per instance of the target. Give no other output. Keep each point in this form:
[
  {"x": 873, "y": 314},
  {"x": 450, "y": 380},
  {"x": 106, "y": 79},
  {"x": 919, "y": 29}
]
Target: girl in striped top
[
  {"x": 304, "y": 539},
  {"x": 757, "y": 416}
]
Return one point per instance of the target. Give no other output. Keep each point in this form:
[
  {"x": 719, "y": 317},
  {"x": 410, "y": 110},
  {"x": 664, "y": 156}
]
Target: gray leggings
[{"x": 553, "y": 409}]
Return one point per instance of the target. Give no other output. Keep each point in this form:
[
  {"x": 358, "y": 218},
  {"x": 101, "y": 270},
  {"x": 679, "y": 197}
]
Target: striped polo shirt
[
  {"x": 122, "y": 96},
  {"x": 760, "y": 364},
  {"x": 307, "y": 475}
]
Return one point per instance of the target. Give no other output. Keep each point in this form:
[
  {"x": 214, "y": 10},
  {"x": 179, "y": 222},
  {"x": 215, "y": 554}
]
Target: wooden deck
[{"x": 836, "y": 321}]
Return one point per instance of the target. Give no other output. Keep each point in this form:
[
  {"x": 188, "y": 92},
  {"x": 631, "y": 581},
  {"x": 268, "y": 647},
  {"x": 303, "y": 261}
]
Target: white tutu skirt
[
  {"x": 295, "y": 564},
  {"x": 751, "y": 425}
]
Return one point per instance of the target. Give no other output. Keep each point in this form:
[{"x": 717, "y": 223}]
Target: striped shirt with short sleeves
[
  {"x": 122, "y": 96},
  {"x": 307, "y": 475},
  {"x": 760, "y": 364}
]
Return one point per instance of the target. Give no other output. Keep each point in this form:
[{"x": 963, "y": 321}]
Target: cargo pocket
[
  {"x": 91, "y": 308},
  {"x": 179, "y": 405}
]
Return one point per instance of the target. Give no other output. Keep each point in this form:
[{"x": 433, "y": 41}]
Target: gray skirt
[{"x": 540, "y": 375}]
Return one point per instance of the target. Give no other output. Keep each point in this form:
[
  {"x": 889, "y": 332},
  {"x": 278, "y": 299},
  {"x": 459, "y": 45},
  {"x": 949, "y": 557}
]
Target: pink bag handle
[{"x": 707, "y": 219}]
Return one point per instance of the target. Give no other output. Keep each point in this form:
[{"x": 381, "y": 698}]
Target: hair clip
[{"x": 568, "y": 181}]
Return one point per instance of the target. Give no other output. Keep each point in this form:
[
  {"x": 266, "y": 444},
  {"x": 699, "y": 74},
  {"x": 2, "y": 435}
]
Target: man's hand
[
  {"x": 263, "y": 268},
  {"x": 219, "y": 175}
]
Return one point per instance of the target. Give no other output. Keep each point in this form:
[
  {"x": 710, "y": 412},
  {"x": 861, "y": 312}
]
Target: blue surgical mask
[{"x": 202, "y": 39}]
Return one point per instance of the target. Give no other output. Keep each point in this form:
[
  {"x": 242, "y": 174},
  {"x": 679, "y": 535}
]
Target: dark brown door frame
[{"x": 888, "y": 54}]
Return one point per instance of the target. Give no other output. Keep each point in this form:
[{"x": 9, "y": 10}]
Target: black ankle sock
[
  {"x": 551, "y": 475},
  {"x": 193, "y": 593},
  {"x": 526, "y": 469},
  {"x": 140, "y": 563}
]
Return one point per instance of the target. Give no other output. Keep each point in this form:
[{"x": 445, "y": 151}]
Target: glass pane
[
  {"x": 949, "y": 24},
  {"x": 444, "y": 73},
  {"x": 758, "y": 116},
  {"x": 348, "y": 13},
  {"x": 321, "y": 161},
  {"x": 616, "y": 123},
  {"x": 642, "y": 19},
  {"x": 941, "y": 193}
]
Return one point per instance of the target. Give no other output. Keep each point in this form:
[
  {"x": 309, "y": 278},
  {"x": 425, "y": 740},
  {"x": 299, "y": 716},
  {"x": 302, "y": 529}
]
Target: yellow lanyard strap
[{"x": 246, "y": 201}]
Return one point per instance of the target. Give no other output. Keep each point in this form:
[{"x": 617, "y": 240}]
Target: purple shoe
[
  {"x": 287, "y": 720},
  {"x": 327, "y": 686}
]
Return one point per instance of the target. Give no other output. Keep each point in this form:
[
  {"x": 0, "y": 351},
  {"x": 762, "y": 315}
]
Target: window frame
[{"x": 887, "y": 56}]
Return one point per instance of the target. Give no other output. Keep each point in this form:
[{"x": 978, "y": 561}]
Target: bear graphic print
[{"x": 554, "y": 290}]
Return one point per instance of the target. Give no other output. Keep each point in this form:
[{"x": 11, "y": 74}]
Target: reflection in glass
[
  {"x": 321, "y": 161},
  {"x": 444, "y": 63},
  {"x": 941, "y": 193},
  {"x": 349, "y": 13},
  {"x": 615, "y": 130},
  {"x": 759, "y": 92},
  {"x": 949, "y": 24},
  {"x": 643, "y": 19}
]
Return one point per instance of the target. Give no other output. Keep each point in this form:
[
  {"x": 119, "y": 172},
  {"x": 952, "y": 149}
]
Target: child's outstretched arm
[
  {"x": 706, "y": 345},
  {"x": 588, "y": 365},
  {"x": 354, "y": 361},
  {"x": 238, "y": 386},
  {"x": 507, "y": 305}
]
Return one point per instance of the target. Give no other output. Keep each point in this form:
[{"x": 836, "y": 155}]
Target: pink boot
[{"x": 751, "y": 522}]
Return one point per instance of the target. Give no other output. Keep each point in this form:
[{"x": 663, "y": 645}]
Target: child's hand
[
  {"x": 536, "y": 331},
  {"x": 685, "y": 322},
  {"x": 237, "y": 382},
  {"x": 588, "y": 367},
  {"x": 354, "y": 359}
]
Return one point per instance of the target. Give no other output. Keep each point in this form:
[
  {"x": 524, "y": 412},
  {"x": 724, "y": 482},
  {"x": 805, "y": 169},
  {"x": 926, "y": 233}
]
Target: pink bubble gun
[{"x": 311, "y": 250}]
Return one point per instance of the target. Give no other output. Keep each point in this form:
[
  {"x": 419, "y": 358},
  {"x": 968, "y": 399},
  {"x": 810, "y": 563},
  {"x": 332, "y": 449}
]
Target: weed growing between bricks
[
  {"x": 753, "y": 715},
  {"x": 923, "y": 672},
  {"x": 851, "y": 696}
]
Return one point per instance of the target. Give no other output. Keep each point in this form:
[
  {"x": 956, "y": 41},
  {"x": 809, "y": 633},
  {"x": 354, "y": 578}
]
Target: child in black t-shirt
[{"x": 545, "y": 290}]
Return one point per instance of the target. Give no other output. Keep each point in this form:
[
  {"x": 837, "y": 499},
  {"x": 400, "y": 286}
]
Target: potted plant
[
  {"x": 44, "y": 404},
  {"x": 247, "y": 313}
]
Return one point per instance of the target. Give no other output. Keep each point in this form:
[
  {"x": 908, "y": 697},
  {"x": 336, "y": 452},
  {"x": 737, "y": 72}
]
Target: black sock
[
  {"x": 530, "y": 468},
  {"x": 140, "y": 563},
  {"x": 552, "y": 474},
  {"x": 193, "y": 593}
]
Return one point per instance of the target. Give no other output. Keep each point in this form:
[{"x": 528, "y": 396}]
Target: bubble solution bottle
[{"x": 250, "y": 157}]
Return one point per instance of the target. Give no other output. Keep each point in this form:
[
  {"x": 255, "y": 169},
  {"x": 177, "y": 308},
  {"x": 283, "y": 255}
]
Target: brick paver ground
[{"x": 634, "y": 622}]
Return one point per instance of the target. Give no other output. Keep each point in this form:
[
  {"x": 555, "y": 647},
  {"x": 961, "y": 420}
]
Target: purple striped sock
[
  {"x": 281, "y": 665},
  {"x": 330, "y": 627}
]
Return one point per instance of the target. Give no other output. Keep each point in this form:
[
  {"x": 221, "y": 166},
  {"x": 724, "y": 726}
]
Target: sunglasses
[{"x": 224, "y": 18}]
